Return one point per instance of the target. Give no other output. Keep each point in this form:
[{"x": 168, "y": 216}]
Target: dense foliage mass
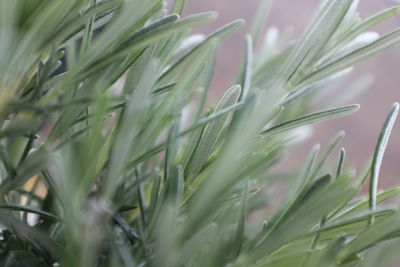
[{"x": 110, "y": 155}]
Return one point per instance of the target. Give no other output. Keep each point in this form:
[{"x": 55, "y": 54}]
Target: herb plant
[{"x": 111, "y": 156}]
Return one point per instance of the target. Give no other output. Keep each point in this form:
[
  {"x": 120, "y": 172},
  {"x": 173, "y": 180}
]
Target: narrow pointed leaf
[
  {"x": 348, "y": 60},
  {"x": 371, "y": 236},
  {"x": 378, "y": 156},
  {"x": 213, "y": 131},
  {"x": 311, "y": 119},
  {"x": 342, "y": 158},
  {"x": 259, "y": 20}
]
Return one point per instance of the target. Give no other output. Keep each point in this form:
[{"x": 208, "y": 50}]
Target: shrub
[{"x": 110, "y": 157}]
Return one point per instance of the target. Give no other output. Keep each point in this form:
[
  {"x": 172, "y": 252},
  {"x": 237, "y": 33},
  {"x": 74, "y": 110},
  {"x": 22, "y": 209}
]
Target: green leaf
[
  {"x": 314, "y": 39},
  {"x": 34, "y": 164},
  {"x": 340, "y": 163},
  {"x": 304, "y": 218},
  {"x": 7, "y": 163},
  {"x": 365, "y": 25},
  {"x": 193, "y": 246},
  {"x": 219, "y": 35},
  {"x": 139, "y": 35},
  {"x": 238, "y": 239},
  {"x": 136, "y": 71},
  {"x": 170, "y": 198},
  {"x": 293, "y": 198},
  {"x": 88, "y": 32},
  {"x": 31, "y": 210},
  {"x": 102, "y": 18},
  {"x": 378, "y": 156},
  {"x": 32, "y": 236},
  {"x": 75, "y": 28},
  {"x": 155, "y": 191},
  {"x": 316, "y": 186},
  {"x": 259, "y": 20},
  {"x": 178, "y": 7},
  {"x": 371, "y": 236},
  {"x": 364, "y": 204},
  {"x": 174, "y": 185},
  {"x": 130, "y": 15},
  {"x": 128, "y": 129},
  {"x": 310, "y": 119},
  {"x": 328, "y": 152},
  {"x": 172, "y": 146},
  {"x": 351, "y": 224},
  {"x": 350, "y": 59},
  {"x": 204, "y": 121},
  {"x": 157, "y": 34},
  {"x": 247, "y": 69},
  {"x": 213, "y": 131}
]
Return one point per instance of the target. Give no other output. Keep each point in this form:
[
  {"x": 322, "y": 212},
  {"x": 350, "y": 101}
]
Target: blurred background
[{"x": 362, "y": 129}]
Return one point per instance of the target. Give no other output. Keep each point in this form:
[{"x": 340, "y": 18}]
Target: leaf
[
  {"x": 364, "y": 204},
  {"x": 21, "y": 258},
  {"x": 314, "y": 39},
  {"x": 75, "y": 27},
  {"x": 34, "y": 164},
  {"x": 245, "y": 77},
  {"x": 7, "y": 163},
  {"x": 362, "y": 177},
  {"x": 366, "y": 25},
  {"x": 338, "y": 12},
  {"x": 213, "y": 131},
  {"x": 136, "y": 71},
  {"x": 131, "y": 15},
  {"x": 351, "y": 224},
  {"x": 153, "y": 26},
  {"x": 270, "y": 68},
  {"x": 174, "y": 185},
  {"x": 204, "y": 121},
  {"x": 348, "y": 60},
  {"x": 247, "y": 69},
  {"x": 139, "y": 35},
  {"x": 128, "y": 129},
  {"x": 101, "y": 19},
  {"x": 172, "y": 146},
  {"x": 31, "y": 235},
  {"x": 223, "y": 112},
  {"x": 179, "y": 6},
  {"x": 238, "y": 239},
  {"x": 340, "y": 163},
  {"x": 20, "y": 127},
  {"x": 371, "y": 236},
  {"x": 158, "y": 33},
  {"x": 328, "y": 152},
  {"x": 316, "y": 186},
  {"x": 170, "y": 198},
  {"x": 378, "y": 156},
  {"x": 220, "y": 34},
  {"x": 31, "y": 210},
  {"x": 207, "y": 81},
  {"x": 155, "y": 191},
  {"x": 193, "y": 246},
  {"x": 259, "y": 19},
  {"x": 88, "y": 32},
  {"x": 141, "y": 199},
  {"x": 310, "y": 119},
  {"x": 304, "y": 218},
  {"x": 293, "y": 198}
]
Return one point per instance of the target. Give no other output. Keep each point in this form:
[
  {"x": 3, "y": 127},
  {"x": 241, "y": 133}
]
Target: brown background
[{"x": 362, "y": 128}]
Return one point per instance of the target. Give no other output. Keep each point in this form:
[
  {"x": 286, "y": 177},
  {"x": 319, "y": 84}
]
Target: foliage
[{"x": 110, "y": 156}]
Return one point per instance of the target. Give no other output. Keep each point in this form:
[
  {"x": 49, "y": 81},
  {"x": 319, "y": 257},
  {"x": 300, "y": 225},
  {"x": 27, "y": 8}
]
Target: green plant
[{"x": 120, "y": 177}]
